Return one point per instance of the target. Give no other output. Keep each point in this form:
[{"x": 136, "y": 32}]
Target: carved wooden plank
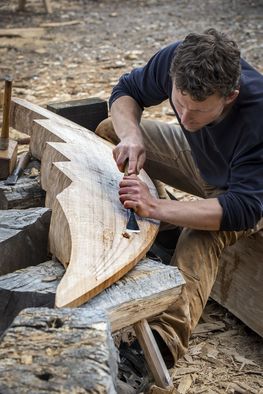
[
  {"x": 62, "y": 351},
  {"x": 23, "y": 238},
  {"x": 143, "y": 292},
  {"x": 81, "y": 180},
  {"x": 239, "y": 282}
]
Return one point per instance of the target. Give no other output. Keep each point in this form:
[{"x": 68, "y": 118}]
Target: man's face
[{"x": 196, "y": 114}]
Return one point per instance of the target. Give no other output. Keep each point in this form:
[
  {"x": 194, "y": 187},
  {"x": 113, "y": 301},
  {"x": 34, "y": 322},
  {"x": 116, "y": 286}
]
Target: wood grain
[
  {"x": 145, "y": 291},
  {"x": 81, "y": 181},
  {"x": 238, "y": 285}
]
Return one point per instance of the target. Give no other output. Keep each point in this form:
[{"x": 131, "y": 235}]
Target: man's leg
[{"x": 197, "y": 256}]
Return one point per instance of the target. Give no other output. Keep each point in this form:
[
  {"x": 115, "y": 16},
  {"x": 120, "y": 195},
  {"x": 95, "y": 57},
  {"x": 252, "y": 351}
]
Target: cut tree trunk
[
  {"x": 23, "y": 238},
  {"x": 144, "y": 292},
  {"x": 58, "y": 351},
  {"x": 239, "y": 282},
  {"x": 88, "y": 221}
]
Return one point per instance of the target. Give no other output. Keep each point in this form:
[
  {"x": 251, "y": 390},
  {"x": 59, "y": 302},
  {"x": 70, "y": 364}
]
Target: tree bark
[{"x": 66, "y": 350}]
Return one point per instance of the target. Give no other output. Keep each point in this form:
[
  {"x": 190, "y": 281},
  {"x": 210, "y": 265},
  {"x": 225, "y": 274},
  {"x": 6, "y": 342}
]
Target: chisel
[
  {"x": 22, "y": 163},
  {"x": 132, "y": 225}
]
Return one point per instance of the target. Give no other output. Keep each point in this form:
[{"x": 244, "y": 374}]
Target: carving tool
[
  {"x": 132, "y": 225},
  {"x": 22, "y": 163},
  {"x": 8, "y": 148}
]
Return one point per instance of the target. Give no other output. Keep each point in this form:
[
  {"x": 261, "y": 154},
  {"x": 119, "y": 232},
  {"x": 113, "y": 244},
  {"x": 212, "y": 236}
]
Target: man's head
[{"x": 206, "y": 73}]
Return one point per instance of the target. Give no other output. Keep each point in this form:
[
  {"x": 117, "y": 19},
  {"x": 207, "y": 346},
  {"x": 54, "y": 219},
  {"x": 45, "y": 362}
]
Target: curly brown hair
[{"x": 205, "y": 64}]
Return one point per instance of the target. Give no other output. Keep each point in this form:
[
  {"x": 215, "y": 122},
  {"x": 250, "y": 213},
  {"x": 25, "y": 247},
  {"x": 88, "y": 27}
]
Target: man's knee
[
  {"x": 106, "y": 131},
  {"x": 197, "y": 253}
]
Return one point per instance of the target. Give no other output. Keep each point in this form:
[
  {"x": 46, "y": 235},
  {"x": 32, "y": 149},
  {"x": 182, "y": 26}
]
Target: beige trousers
[{"x": 197, "y": 253}]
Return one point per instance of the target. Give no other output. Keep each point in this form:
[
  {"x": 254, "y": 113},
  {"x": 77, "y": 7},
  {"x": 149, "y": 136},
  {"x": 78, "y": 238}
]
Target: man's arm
[
  {"x": 126, "y": 117},
  {"x": 200, "y": 215},
  {"x": 142, "y": 87}
]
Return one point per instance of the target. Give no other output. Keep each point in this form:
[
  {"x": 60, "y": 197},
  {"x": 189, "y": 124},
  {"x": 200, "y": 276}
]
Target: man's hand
[
  {"x": 135, "y": 194},
  {"x": 132, "y": 151}
]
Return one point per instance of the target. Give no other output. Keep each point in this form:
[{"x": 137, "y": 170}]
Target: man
[{"x": 216, "y": 154}]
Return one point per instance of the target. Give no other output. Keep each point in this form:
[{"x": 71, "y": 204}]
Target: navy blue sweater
[{"x": 229, "y": 154}]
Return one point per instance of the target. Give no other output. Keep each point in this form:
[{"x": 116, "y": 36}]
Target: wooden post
[
  {"x": 6, "y": 114},
  {"x": 21, "y": 5},
  {"x": 8, "y": 149},
  {"x": 47, "y": 5},
  {"x": 152, "y": 354}
]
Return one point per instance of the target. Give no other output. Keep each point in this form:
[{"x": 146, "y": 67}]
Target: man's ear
[{"x": 232, "y": 96}]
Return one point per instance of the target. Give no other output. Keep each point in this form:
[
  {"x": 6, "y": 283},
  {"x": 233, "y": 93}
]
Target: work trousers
[{"x": 197, "y": 253}]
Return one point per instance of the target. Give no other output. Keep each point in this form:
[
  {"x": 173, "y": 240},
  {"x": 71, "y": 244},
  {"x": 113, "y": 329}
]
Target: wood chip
[
  {"x": 50, "y": 278},
  {"x": 60, "y": 24},
  {"x": 208, "y": 327},
  {"x": 185, "y": 384},
  {"x": 31, "y": 32},
  {"x": 34, "y": 172}
]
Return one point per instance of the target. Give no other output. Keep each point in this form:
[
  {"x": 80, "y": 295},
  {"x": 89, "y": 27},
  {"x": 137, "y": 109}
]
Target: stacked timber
[{"x": 145, "y": 291}]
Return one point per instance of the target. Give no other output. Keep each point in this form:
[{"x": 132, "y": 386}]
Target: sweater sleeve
[
  {"x": 243, "y": 201},
  {"x": 148, "y": 85}
]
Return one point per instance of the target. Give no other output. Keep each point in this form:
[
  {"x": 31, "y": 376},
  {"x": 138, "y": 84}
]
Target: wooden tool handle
[
  {"x": 126, "y": 168},
  {"x": 22, "y": 163},
  {"x": 6, "y": 108}
]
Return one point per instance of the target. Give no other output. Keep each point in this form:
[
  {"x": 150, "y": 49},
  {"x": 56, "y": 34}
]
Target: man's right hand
[{"x": 133, "y": 152}]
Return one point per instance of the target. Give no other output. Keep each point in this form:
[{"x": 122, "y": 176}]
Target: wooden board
[
  {"x": 81, "y": 182},
  {"x": 87, "y": 112}
]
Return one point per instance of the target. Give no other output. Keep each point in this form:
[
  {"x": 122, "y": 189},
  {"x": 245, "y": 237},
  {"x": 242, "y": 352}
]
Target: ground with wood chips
[{"x": 79, "y": 51}]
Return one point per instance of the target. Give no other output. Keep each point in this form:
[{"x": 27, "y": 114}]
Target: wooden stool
[{"x": 47, "y": 5}]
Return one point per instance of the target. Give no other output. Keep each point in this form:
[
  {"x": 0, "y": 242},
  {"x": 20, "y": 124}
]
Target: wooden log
[
  {"x": 86, "y": 112},
  {"x": 78, "y": 167},
  {"x": 23, "y": 238},
  {"x": 26, "y": 193},
  {"x": 58, "y": 351},
  {"x": 238, "y": 285},
  {"x": 145, "y": 291}
]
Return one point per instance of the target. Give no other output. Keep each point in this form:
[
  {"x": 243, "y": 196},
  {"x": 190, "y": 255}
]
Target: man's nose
[{"x": 185, "y": 116}]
